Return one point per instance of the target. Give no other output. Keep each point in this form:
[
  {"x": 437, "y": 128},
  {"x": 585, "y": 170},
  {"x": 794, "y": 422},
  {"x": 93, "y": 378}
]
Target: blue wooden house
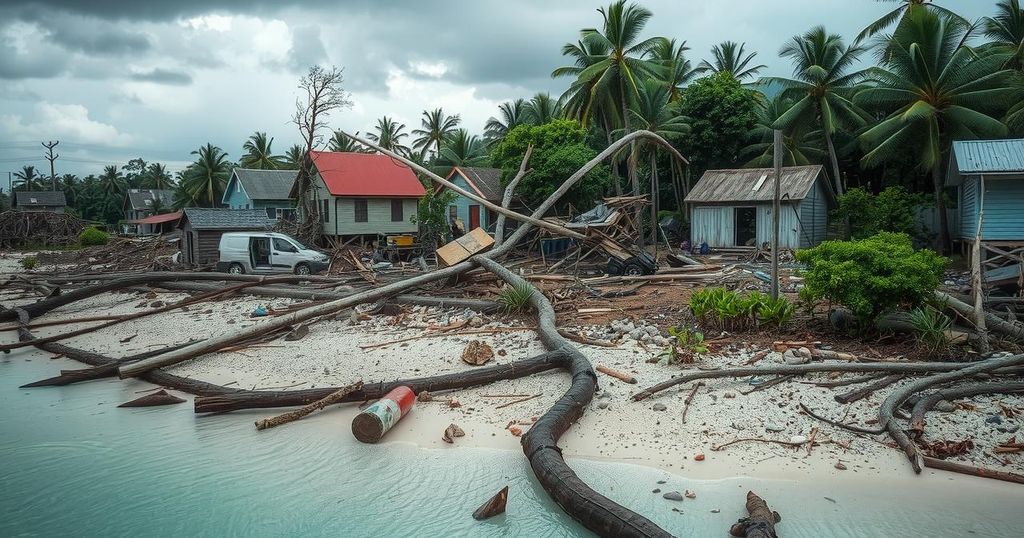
[
  {"x": 485, "y": 182},
  {"x": 989, "y": 179},
  {"x": 261, "y": 189}
]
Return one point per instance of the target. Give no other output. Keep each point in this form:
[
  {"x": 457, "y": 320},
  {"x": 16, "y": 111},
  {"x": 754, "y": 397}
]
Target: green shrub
[
  {"x": 93, "y": 236},
  {"x": 29, "y": 262},
  {"x": 871, "y": 276},
  {"x": 684, "y": 347},
  {"x": 930, "y": 326},
  {"x": 892, "y": 210},
  {"x": 515, "y": 299},
  {"x": 724, "y": 310}
]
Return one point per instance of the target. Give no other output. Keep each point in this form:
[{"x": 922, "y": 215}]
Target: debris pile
[{"x": 38, "y": 228}]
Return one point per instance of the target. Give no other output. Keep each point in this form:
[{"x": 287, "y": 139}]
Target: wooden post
[
  {"x": 776, "y": 208},
  {"x": 976, "y": 273}
]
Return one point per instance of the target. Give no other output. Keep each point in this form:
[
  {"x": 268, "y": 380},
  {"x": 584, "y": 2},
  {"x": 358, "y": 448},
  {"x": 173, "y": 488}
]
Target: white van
[{"x": 267, "y": 252}]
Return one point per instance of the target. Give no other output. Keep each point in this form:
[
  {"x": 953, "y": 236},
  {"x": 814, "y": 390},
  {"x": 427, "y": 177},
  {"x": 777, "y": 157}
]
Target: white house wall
[{"x": 713, "y": 225}]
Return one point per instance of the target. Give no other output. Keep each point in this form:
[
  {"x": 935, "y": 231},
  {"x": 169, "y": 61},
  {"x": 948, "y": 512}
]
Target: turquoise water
[{"x": 75, "y": 465}]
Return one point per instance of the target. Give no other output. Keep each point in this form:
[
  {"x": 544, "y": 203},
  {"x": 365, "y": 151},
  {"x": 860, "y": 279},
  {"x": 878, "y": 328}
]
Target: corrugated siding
[
  {"x": 378, "y": 212},
  {"x": 789, "y": 226},
  {"x": 814, "y": 216},
  {"x": 968, "y": 208},
  {"x": 1004, "y": 210},
  {"x": 974, "y": 156},
  {"x": 715, "y": 226}
]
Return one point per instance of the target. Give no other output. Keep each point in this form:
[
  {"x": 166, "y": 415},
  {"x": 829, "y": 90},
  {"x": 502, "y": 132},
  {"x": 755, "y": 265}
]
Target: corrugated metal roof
[
  {"x": 978, "y": 156},
  {"x": 158, "y": 219},
  {"x": 205, "y": 218},
  {"x": 366, "y": 174},
  {"x": 488, "y": 180},
  {"x": 266, "y": 184},
  {"x": 142, "y": 199},
  {"x": 754, "y": 184},
  {"x": 39, "y": 199}
]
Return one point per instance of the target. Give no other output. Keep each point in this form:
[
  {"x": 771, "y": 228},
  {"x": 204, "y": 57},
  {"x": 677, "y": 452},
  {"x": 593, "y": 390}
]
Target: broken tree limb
[
  {"x": 803, "y": 369},
  {"x": 992, "y": 321},
  {"x": 761, "y": 521},
  {"x": 850, "y": 427},
  {"x": 506, "y": 198},
  {"x": 68, "y": 377},
  {"x": 945, "y": 465},
  {"x": 621, "y": 376},
  {"x": 900, "y": 395},
  {"x": 335, "y": 397},
  {"x": 868, "y": 390},
  {"x": 689, "y": 399},
  {"x": 929, "y": 401}
]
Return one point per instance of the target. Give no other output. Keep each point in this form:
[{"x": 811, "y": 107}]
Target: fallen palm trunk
[
  {"x": 900, "y": 395},
  {"x": 332, "y": 398},
  {"x": 813, "y": 368},
  {"x": 760, "y": 523},
  {"x": 926, "y": 403},
  {"x": 252, "y": 399},
  {"x": 68, "y": 377}
]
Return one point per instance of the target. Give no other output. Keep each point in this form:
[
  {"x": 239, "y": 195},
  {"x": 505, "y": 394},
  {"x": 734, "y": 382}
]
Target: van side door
[{"x": 284, "y": 255}]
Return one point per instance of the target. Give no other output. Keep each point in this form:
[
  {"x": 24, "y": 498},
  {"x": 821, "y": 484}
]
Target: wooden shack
[{"x": 202, "y": 227}]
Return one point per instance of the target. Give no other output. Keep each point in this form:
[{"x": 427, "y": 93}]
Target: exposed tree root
[{"x": 867, "y": 390}]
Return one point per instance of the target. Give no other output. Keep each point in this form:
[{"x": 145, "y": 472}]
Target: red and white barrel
[{"x": 374, "y": 421}]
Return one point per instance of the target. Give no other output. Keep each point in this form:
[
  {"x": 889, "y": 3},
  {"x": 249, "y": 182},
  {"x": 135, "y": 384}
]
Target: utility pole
[
  {"x": 50, "y": 156},
  {"x": 776, "y": 209}
]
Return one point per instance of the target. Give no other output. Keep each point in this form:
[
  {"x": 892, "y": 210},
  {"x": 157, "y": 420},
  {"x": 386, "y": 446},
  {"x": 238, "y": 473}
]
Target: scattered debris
[
  {"x": 477, "y": 353},
  {"x": 494, "y": 506},
  {"x": 451, "y": 432}
]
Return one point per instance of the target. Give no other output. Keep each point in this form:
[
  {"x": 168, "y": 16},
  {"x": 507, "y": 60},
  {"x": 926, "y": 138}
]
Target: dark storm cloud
[
  {"x": 163, "y": 76},
  {"x": 108, "y": 41}
]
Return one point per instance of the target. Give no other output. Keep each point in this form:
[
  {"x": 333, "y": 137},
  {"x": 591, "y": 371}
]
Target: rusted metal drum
[{"x": 374, "y": 421}]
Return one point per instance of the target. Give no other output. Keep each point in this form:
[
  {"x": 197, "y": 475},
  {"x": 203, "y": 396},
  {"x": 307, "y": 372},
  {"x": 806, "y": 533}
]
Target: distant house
[
  {"x": 361, "y": 194},
  {"x": 484, "y": 182},
  {"x": 162, "y": 223},
  {"x": 998, "y": 166},
  {"x": 202, "y": 227},
  {"x": 138, "y": 204},
  {"x": 261, "y": 189},
  {"x": 730, "y": 208},
  {"x": 52, "y": 201}
]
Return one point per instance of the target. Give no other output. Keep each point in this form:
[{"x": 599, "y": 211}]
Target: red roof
[
  {"x": 366, "y": 174},
  {"x": 157, "y": 219}
]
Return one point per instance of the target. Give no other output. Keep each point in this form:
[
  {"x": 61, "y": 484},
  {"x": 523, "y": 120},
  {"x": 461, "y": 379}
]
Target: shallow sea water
[{"x": 75, "y": 465}]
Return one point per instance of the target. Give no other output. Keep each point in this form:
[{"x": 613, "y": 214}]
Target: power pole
[
  {"x": 50, "y": 156},
  {"x": 776, "y": 209}
]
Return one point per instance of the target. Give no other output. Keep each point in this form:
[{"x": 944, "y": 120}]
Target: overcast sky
[{"x": 117, "y": 79}]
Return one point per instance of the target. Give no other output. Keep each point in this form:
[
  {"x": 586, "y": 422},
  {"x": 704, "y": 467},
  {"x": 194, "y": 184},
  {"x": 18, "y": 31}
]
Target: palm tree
[
  {"x": 258, "y": 153},
  {"x": 676, "y": 70},
  {"x": 730, "y": 57},
  {"x": 461, "y": 149},
  {"x": 541, "y": 109},
  {"x": 157, "y": 177},
  {"x": 293, "y": 157},
  {"x": 822, "y": 88},
  {"x": 343, "y": 143},
  {"x": 28, "y": 179},
  {"x": 800, "y": 142},
  {"x": 208, "y": 175},
  {"x": 1006, "y": 32},
  {"x": 389, "y": 136},
  {"x": 654, "y": 111},
  {"x": 157, "y": 206},
  {"x": 435, "y": 126},
  {"x": 619, "y": 73},
  {"x": 111, "y": 182},
  {"x": 897, "y": 14},
  {"x": 512, "y": 115},
  {"x": 936, "y": 90}
]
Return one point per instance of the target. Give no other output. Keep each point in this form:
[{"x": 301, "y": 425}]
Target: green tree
[
  {"x": 389, "y": 136},
  {"x": 729, "y": 57},
  {"x": 343, "y": 143},
  {"x": 157, "y": 177},
  {"x": 904, "y": 7},
  {"x": 435, "y": 126},
  {"x": 207, "y": 177},
  {"x": 799, "y": 142},
  {"x": 541, "y": 108},
  {"x": 112, "y": 183},
  {"x": 512, "y": 114},
  {"x": 134, "y": 173},
  {"x": 559, "y": 149},
  {"x": 935, "y": 90},
  {"x": 822, "y": 89},
  {"x": 722, "y": 112},
  {"x": 259, "y": 153},
  {"x": 675, "y": 70},
  {"x": 27, "y": 179},
  {"x": 293, "y": 157},
  {"x": 461, "y": 149},
  {"x": 1005, "y": 32}
]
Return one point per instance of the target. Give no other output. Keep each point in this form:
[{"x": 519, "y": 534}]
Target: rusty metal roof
[
  {"x": 754, "y": 184},
  {"x": 981, "y": 156}
]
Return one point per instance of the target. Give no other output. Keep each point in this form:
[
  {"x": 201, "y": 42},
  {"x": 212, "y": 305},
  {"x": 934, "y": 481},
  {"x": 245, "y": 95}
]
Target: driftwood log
[
  {"x": 337, "y": 396},
  {"x": 761, "y": 521}
]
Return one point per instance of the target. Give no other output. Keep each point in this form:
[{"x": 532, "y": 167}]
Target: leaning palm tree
[
  {"x": 389, "y": 135},
  {"x": 936, "y": 91},
  {"x": 258, "y": 153},
  {"x": 904, "y": 7},
  {"x": 822, "y": 89},
  {"x": 730, "y": 57},
  {"x": 435, "y": 125},
  {"x": 208, "y": 175},
  {"x": 157, "y": 177},
  {"x": 293, "y": 157},
  {"x": 541, "y": 109},
  {"x": 512, "y": 114},
  {"x": 619, "y": 73},
  {"x": 461, "y": 149},
  {"x": 28, "y": 179},
  {"x": 1006, "y": 32},
  {"x": 800, "y": 142},
  {"x": 675, "y": 70}
]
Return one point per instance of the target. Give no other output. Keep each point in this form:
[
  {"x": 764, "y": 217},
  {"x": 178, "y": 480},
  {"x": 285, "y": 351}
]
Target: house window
[
  {"x": 325, "y": 212},
  {"x": 361, "y": 211},
  {"x": 397, "y": 214},
  {"x": 453, "y": 211}
]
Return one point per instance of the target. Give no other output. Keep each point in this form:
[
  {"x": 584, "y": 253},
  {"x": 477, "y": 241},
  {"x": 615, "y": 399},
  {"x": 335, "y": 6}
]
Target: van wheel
[
  {"x": 633, "y": 269},
  {"x": 236, "y": 269},
  {"x": 302, "y": 269}
]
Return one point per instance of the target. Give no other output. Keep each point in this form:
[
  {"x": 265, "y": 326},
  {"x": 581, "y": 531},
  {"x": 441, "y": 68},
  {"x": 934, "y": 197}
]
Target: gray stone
[
  {"x": 1012, "y": 428},
  {"x": 774, "y": 427},
  {"x": 793, "y": 357},
  {"x": 673, "y": 496},
  {"x": 602, "y": 405},
  {"x": 945, "y": 406},
  {"x": 656, "y": 490},
  {"x": 659, "y": 407},
  {"x": 994, "y": 419},
  {"x": 796, "y": 439}
]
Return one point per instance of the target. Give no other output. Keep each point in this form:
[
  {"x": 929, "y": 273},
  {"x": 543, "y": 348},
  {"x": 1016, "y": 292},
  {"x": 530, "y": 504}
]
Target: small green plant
[
  {"x": 93, "y": 237},
  {"x": 775, "y": 313},
  {"x": 725, "y": 310},
  {"x": 930, "y": 326},
  {"x": 684, "y": 347},
  {"x": 29, "y": 262},
  {"x": 514, "y": 299}
]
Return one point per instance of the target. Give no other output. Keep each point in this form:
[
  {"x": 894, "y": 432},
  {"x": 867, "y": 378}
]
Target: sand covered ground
[{"x": 649, "y": 433}]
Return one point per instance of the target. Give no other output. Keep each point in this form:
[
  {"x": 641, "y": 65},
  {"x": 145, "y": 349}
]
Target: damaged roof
[
  {"x": 206, "y": 218},
  {"x": 39, "y": 199},
  {"x": 142, "y": 199},
  {"x": 754, "y": 184},
  {"x": 485, "y": 181}
]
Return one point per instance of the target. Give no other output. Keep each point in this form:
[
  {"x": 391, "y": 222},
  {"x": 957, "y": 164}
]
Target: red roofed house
[{"x": 364, "y": 194}]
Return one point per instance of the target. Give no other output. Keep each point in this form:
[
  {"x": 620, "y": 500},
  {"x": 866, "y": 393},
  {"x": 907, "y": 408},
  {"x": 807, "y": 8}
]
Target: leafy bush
[
  {"x": 930, "y": 326},
  {"x": 93, "y": 236},
  {"x": 725, "y": 310},
  {"x": 29, "y": 262},
  {"x": 685, "y": 346},
  {"x": 871, "y": 276},
  {"x": 516, "y": 298},
  {"x": 892, "y": 210}
]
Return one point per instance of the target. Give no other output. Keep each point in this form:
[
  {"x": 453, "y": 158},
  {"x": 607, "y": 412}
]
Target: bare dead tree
[{"x": 323, "y": 94}]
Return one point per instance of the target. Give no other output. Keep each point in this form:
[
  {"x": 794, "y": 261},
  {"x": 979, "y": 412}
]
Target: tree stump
[{"x": 760, "y": 523}]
